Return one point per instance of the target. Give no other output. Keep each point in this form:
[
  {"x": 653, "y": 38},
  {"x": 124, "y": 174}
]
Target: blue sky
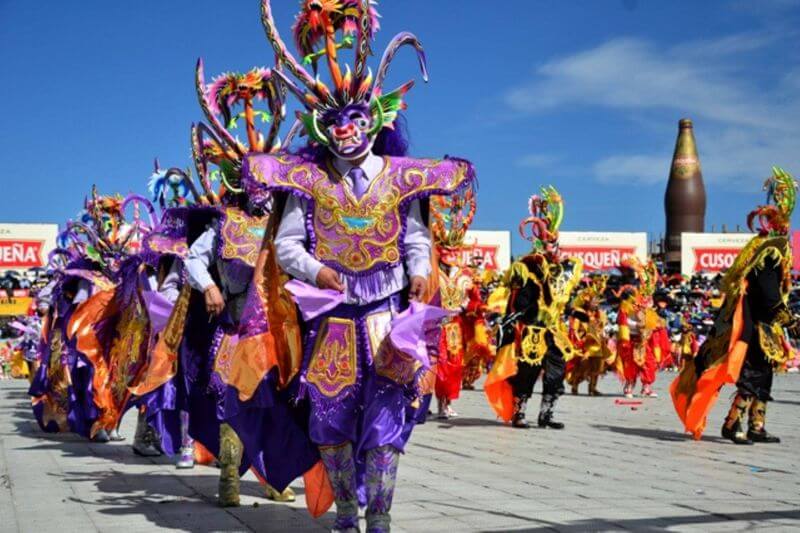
[{"x": 584, "y": 95}]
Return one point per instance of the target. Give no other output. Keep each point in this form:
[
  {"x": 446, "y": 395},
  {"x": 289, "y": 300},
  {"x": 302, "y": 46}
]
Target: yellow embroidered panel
[
  {"x": 454, "y": 337},
  {"x": 533, "y": 345},
  {"x": 378, "y": 327},
  {"x": 241, "y": 235},
  {"x": 224, "y": 357},
  {"x": 453, "y": 288},
  {"x": 125, "y": 357},
  {"x": 333, "y": 365},
  {"x": 395, "y": 365},
  {"x": 773, "y": 344}
]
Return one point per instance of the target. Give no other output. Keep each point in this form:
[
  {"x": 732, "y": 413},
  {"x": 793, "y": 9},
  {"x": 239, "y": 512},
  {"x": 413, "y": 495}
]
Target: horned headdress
[
  {"x": 451, "y": 217},
  {"x": 546, "y": 215},
  {"x": 774, "y": 218},
  {"x": 317, "y": 27}
]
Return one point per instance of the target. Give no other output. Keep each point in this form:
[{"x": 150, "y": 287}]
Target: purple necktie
[{"x": 360, "y": 181}]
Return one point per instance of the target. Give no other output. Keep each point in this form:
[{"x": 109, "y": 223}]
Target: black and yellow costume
[
  {"x": 764, "y": 315},
  {"x": 534, "y": 325},
  {"x": 747, "y": 341},
  {"x": 534, "y": 337},
  {"x": 587, "y": 322}
]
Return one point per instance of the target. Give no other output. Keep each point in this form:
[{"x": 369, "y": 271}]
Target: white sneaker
[{"x": 186, "y": 459}]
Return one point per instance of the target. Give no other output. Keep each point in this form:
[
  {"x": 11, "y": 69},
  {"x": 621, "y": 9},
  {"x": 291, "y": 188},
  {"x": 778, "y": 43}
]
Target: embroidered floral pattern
[
  {"x": 333, "y": 364},
  {"x": 241, "y": 235},
  {"x": 359, "y": 235},
  {"x": 341, "y": 469},
  {"x": 381, "y": 475}
]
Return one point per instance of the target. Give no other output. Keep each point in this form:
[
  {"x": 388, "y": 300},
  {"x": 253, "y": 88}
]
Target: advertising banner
[
  {"x": 14, "y": 306},
  {"x": 602, "y": 250},
  {"x": 24, "y": 246},
  {"x": 710, "y": 253}
]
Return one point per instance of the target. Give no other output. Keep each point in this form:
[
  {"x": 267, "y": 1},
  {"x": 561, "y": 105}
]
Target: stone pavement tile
[
  {"x": 276, "y": 518},
  {"x": 495, "y": 521},
  {"x": 680, "y": 518},
  {"x": 415, "y": 511},
  {"x": 525, "y": 507},
  {"x": 742, "y": 505},
  {"x": 406, "y": 493},
  {"x": 732, "y": 526},
  {"x": 554, "y": 520},
  {"x": 74, "y": 519},
  {"x": 453, "y": 508},
  {"x": 614, "y": 468},
  {"x": 443, "y": 524}
]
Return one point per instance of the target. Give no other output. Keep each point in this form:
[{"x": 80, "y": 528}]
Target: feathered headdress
[
  {"x": 646, "y": 276},
  {"x": 168, "y": 188},
  {"x": 317, "y": 27},
  {"x": 546, "y": 215},
  {"x": 106, "y": 232},
  {"x": 451, "y": 217},
  {"x": 215, "y": 144},
  {"x": 775, "y": 218}
]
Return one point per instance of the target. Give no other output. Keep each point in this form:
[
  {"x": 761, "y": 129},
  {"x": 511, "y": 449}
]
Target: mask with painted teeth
[{"x": 348, "y": 131}]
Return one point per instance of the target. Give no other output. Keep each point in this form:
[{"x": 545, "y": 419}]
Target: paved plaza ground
[{"x": 614, "y": 468}]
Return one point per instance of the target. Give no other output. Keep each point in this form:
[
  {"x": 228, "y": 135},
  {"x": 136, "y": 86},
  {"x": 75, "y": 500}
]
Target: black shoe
[
  {"x": 595, "y": 393},
  {"x": 763, "y": 437},
  {"x": 550, "y": 423},
  {"x": 735, "y": 436},
  {"x": 520, "y": 422}
]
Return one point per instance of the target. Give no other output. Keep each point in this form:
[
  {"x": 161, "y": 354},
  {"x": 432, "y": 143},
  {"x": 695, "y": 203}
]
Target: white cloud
[
  {"x": 642, "y": 169},
  {"x": 750, "y": 118}
]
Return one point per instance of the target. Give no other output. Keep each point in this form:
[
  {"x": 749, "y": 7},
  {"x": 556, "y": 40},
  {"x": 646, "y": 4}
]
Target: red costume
[
  {"x": 639, "y": 345},
  {"x": 479, "y": 349}
]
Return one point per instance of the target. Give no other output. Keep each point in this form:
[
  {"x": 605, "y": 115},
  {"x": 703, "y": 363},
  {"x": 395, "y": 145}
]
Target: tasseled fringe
[{"x": 367, "y": 284}]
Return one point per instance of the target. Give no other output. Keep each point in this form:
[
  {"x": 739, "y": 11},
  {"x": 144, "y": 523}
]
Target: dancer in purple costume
[
  {"x": 150, "y": 285},
  {"x": 225, "y": 232},
  {"x": 59, "y": 388},
  {"x": 353, "y": 223},
  {"x": 69, "y": 391}
]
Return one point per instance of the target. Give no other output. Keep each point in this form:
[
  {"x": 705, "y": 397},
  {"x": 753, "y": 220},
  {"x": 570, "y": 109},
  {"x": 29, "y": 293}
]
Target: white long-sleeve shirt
[
  {"x": 82, "y": 292},
  {"x": 201, "y": 254},
  {"x": 291, "y": 242},
  {"x": 44, "y": 300},
  {"x": 170, "y": 286}
]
